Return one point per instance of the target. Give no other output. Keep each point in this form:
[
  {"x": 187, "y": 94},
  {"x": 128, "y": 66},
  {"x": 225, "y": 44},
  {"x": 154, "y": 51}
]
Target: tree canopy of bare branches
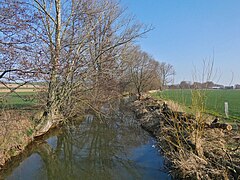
[
  {"x": 82, "y": 49},
  {"x": 142, "y": 71},
  {"x": 166, "y": 73},
  {"x": 75, "y": 46}
]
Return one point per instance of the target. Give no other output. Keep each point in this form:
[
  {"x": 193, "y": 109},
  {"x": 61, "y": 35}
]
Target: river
[{"x": 114, "y": 147}]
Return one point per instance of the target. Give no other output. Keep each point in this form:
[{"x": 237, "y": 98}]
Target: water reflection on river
[{"x": 109, "y": 148}]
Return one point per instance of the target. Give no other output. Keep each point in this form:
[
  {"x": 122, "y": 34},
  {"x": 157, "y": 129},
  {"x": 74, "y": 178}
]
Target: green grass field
[
  {"x": 19, "y": 100},
  {"x": 214, "y": 100}
]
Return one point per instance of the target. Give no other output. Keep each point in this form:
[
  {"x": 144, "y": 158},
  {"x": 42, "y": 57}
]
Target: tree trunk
[
  {"x": 139, "y": 93},
  {"x": 51, "y": 117}
]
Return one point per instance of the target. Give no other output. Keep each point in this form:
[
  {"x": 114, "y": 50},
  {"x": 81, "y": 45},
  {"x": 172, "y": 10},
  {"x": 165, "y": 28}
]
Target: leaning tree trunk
[{"x": 51, "y": 116}]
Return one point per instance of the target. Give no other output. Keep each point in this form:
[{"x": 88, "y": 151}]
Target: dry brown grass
[
  {"x": 15, "y": 134},
  {"x": 208, "y": 158},
  {"x": 174, "y": 106},
  {"x": 195, "y": 150}
]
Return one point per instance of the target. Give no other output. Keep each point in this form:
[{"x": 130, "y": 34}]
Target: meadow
[
  {"x": 17, "y": 100},
  {"x": 213, "y": 99}
]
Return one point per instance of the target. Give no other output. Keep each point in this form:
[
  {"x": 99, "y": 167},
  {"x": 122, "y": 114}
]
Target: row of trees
[
  {"x": 144, "y": 73},
  {"x": 197, "y": 85},
  {"x": 83, "y": 50}
]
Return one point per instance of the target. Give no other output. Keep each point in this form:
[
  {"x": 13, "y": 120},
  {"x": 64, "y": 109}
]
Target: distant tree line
[{"x": 198, "y": 85}]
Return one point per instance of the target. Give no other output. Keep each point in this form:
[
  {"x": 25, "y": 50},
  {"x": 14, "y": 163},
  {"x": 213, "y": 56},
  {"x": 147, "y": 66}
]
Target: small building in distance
[
  {"x": 218, "y": 86},
  {"x": 173, "y": 86},
  {"x": 228, "y": 87},
  {"x": 237, "y": 86}
]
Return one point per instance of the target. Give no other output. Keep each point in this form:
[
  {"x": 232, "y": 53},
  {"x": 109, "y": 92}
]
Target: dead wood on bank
[
  {"x": 221, "y": 126},
  {"x": 193, "y": 150}
]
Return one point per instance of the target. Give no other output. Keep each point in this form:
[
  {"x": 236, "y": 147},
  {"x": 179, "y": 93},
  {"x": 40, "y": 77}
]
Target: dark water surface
[{"x": 109, "y": 148}]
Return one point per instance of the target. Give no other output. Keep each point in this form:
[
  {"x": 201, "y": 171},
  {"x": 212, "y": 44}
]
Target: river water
[{"x": 93, "y": 148}]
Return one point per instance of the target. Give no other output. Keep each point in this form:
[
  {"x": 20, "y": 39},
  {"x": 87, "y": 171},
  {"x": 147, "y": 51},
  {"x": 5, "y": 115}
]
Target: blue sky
[{"x": 189, "y": 31}]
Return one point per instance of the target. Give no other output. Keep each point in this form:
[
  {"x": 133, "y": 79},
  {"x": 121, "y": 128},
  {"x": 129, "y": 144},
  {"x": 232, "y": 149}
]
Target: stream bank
[{"x": 192, "y": 152}]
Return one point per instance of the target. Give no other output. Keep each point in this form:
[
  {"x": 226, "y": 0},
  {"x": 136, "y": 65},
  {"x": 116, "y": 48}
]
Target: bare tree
[
  {"x": 142, "y": 71},
  {"x": 166, "y": 74},
  {"x": 17, "y": 46},
  {"x": 74, "y": 45}
]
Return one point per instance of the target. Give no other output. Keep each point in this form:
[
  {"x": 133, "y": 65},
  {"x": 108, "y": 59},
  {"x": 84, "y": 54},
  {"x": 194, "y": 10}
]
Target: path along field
[{"x": 214, "y": 100}]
